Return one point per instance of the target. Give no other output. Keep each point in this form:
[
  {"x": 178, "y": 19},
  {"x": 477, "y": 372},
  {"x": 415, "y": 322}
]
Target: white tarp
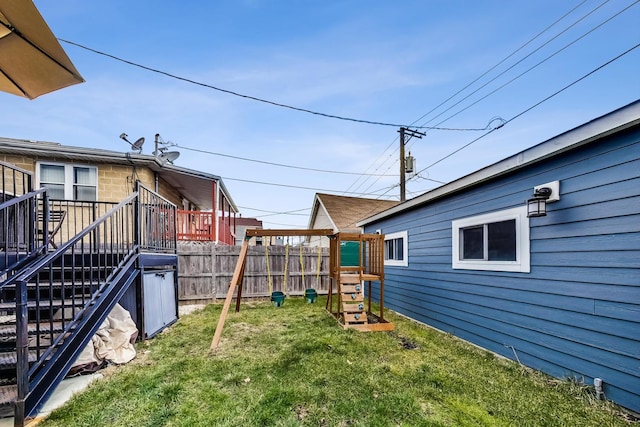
[{"x": 112, "y": 343}]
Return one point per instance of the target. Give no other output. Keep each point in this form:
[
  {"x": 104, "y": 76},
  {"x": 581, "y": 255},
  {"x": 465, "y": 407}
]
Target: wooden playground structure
[{"x": 346, "y": 298}]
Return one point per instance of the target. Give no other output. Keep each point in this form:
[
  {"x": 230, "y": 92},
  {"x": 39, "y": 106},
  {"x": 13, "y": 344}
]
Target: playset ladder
[{"x": 352, "y": 300}]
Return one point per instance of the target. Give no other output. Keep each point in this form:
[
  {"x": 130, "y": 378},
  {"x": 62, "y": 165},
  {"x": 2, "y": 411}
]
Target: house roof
[
  {"x": 616, "y": 121},
  {"x": 344, "y": 211},
  {"x": 194, "y": 185},
  {"x": 248, "y": 222}
]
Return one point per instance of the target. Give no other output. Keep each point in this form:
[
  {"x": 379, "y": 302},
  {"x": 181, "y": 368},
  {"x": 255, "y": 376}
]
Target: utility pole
[{"x": 405, "y": 132}]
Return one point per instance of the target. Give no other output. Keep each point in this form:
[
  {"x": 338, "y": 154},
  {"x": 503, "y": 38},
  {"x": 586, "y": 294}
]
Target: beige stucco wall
[{"x": 115, "y": 182}]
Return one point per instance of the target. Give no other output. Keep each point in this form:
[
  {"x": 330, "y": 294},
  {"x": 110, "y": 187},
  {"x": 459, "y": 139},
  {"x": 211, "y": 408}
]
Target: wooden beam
[
  {"x": 237, "y": 276},
  {"x": 289, "y": 232}
]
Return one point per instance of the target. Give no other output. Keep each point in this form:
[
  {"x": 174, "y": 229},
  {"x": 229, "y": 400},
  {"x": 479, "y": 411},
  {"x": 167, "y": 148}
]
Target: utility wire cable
[
  {"x": 270, "y": 213},
  {"x": 253, "y": 98},
  {"x": 534, "y": 105},
  {"x": 503, "y": 60},
  {"x": 512, "y": 66},
  {"x": 322, "y": 190},
  {"x": 264, "y": 162},
  {"x": 530, "y": 68},
  {"x": 393, "y": 143},
  {"x": 526, "y": 71}
]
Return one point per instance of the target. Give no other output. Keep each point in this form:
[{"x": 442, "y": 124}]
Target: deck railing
[
  {"x": 196, "y": 226},
  {"x": 201, "y": 226}
]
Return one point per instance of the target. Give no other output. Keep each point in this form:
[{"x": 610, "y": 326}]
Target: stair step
[
  {"x": 44, "y": 304},
  {"x": 9, "y": 359},
  {"x": 8, "y": 395},
  {"x": 355, "y": 318},
  {"x": 350, "y": 288},
  {"x": 9, "y": 331},
  {"x": 349, "y": 278},
  {"x": 352, "y": 297},
  {"x": 348, "y": 308}
]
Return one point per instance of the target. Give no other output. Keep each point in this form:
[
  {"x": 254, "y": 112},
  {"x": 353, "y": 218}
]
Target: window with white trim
[
  {"x": 396, "y": 249},
  {"x": 497, "y": 241},
  {"x": 69, "y": 181}
]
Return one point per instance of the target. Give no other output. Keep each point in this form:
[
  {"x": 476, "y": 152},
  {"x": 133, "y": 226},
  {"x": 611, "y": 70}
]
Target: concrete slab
[{"x": 60, "y": 396}]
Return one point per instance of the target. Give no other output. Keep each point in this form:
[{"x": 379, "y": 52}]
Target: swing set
[
  {"x": 277, "y": 297},
  {"x": 346, "y": 300}
]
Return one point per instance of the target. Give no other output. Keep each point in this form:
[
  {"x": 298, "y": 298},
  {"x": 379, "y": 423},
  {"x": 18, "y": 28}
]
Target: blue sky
[{"x": 394, "y": 62}]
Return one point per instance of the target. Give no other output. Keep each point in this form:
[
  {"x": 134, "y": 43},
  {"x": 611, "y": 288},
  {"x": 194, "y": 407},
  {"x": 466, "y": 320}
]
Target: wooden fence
[{"x": 205, "y": 270}]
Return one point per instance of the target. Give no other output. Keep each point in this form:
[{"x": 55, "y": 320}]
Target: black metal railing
[
  {"x": 18, "y": 237},
  {"x": 56, "y": 295},
  {"x": 71, "y": 263},
  {"x": 157, "y": 221},
  {"x": 14, "y": 181},
  {"x": 67, "y": 218}
]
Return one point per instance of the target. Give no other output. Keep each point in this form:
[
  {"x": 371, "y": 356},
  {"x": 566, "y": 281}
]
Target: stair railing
[
  {"x": 17, "y": 203},
  {"x": 72, "y": 299},
  {"x": 157, "y": 222},
  {"x": 19, "y": 240}
]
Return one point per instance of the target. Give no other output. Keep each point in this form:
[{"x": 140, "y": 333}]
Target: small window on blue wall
[
  {"x": 396, "y": 249},
  {"x": 497, "y": 241}
]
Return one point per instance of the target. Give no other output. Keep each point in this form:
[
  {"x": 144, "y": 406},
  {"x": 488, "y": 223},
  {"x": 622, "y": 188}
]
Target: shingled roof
[{"x": 345, "y": 211}]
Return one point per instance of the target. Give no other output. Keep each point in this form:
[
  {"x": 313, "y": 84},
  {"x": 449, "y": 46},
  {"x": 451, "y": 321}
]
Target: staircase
[{"x": 52, "y": 301}]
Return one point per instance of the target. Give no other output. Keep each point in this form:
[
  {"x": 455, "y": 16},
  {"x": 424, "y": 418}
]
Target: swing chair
[{"x": 277, "y": 297}]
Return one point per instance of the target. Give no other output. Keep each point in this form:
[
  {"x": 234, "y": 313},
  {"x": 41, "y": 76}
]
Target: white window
[
  {"x": 396, "y": 247},
  {"x": 498, "y": 241},
  {"x": 69, "y": 182}
]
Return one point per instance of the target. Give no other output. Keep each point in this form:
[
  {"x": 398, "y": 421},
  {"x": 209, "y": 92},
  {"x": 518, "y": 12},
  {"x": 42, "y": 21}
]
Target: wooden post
[{"x": 237, "y": 276}]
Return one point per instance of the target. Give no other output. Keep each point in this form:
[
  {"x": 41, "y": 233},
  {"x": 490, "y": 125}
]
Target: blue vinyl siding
[{"x": 577, "y": 313}]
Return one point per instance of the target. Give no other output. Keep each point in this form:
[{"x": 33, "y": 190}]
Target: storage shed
[{"x": 559, "y": 293}]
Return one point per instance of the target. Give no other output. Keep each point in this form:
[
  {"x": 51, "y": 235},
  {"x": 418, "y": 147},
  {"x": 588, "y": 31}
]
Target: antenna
[
  {"x": 169, "y": 156},
  {"x": 136, "y": 146}
]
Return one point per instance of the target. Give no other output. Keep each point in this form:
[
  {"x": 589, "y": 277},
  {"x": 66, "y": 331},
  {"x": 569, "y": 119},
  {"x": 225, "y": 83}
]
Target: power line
[
  {"x": 534, "y": 106},
  {"x": 530, "y": 68},
  {"x": 393, "y": 143},
  {"x": 511, "y": 55},
  {"x": 322, "y": 190},
  {"x": 272, "y": 163},
  {"x": 503, "y": 72},
  {"x": 270, "y": 213},
  {"x": 265, "y": 101}
]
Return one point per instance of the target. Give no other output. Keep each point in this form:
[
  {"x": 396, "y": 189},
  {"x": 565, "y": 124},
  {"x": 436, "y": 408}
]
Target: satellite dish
[
  {"x": 138, "y": 144},
  {"x": 169, "y": 156}
]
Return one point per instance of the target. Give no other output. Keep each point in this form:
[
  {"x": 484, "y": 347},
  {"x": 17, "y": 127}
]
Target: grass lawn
[{"x": 294, "y": 366}]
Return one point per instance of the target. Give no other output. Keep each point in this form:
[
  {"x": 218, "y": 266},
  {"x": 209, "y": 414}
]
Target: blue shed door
[{"x": 159, "y": 301}]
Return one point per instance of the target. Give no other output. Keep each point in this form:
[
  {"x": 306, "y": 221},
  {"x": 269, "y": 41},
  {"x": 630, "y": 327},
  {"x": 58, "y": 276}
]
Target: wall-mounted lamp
[
  {"x": 537, "y": 205},
  {"x": 543, "y": 194}
]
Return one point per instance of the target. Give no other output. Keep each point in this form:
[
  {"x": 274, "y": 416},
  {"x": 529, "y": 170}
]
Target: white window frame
[
  {"x": 404, "y": 262},
  {"x": 68, "y": 177},
  {"x": 522, "y": 263}
]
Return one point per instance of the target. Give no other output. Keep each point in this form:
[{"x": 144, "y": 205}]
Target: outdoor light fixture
[
  {"x": 537, "y": 205},
  {"x": 136, "y": 146}
]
